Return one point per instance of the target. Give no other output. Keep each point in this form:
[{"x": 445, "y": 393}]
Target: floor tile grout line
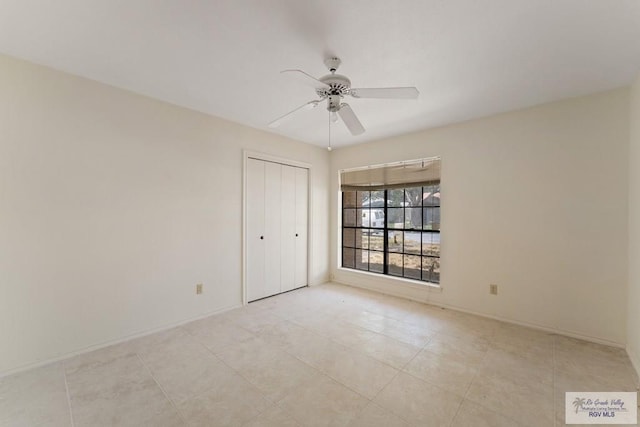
[
  {"x": 466, "y": 394},
  {"x": 66, "y": 386},
  {"x": 322, "y": 372},
  {"x": 382, "y": 389},
  {"x": 398, "y": 370},
  {"x": 330, "y": 378},
  {"x": 391, "y": 337},
  {"x": 175, "y": 406},
  {"x": 457, "y": 412},
  {"x": 356, "y": 348},
  {"x": 277, "y": 404},
  {"x": 214, "y": 355},
  {"x": 387, "y": 335}
]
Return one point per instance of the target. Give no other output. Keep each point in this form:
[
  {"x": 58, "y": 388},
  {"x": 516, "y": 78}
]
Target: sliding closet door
[
  {"x": 255, "y": 230},
  {"x": 276, "y": 227},
  {"x": 288, "y": 235},
  {"x": 301, "y": 221},
  {"x": 272, "y": 227}
]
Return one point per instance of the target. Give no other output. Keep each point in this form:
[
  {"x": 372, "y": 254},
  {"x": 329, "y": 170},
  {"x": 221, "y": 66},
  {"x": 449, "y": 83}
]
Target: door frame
[{"x": 247, "y": 154}]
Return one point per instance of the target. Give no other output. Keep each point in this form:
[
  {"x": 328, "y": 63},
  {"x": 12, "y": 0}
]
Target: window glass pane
[
  {"x": 348, "y": 257},
  {"x": 362, "y": 218},
  {"x": 427, "y": 267},
  {"x": 435, "y": 275},
  {"x": 362, "y": 238},
  {"x": 412, "y": 267},
  {"x": 348, "y": 199},
  {"x": 412, "y": 242},
  {"x": 377, "y": 199},
  {"x": 431, "y": 244},
  {"x": 413, "y": 218},
  {"x": 373, "y": 218},
  {"x": 395, "y": 264},
  {"x": 349, "y": 237},
  {"x": 431, "y": 269},
  {"x": 370, "y": 217},
  {"x": 376, "y": 262},
  {"x": 396, "y": 198},
  {"x": 395, "y": 241},
  {"x": 396, "y": 217},
  {"x": 376, "y": 240},
  {"x": 376, "y": 218},
  {"x": 362, "y": 260},
  {"x": 431, "y": 218},
  {"x": 363, "y": 199},
  {"x": 349, "y": 217},
  {"x": 413, "y": 196},
  {"x": 431, "y": 196}
]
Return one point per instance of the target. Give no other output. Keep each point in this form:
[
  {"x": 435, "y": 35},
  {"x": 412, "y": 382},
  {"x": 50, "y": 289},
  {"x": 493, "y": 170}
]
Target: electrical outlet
[
  {"x": 199, "y": 288},
  {"x": 493, "y": 289}
]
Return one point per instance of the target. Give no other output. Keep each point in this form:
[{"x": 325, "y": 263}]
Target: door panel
[
  {"x": 272, "y": 227},
  {"x": 302, "y": 215},
  {"x": 288, "y": 240},
  {"x": 255, "y": 229}
]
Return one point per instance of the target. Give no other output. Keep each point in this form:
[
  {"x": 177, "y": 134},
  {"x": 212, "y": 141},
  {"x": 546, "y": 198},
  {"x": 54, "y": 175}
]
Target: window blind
[{"x": 412, "y": 173}]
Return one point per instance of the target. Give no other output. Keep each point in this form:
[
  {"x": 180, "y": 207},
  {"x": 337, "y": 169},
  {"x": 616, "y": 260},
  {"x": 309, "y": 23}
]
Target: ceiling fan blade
[
  {"x": 386, "y": 92},
  {"x": 308, "y": 106},
  {"x": 306, "y": 79},
  {"x": 350, "y": 119}
]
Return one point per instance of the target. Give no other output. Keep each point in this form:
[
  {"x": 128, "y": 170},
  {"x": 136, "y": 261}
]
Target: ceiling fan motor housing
[{"x": 338, "y": 85}]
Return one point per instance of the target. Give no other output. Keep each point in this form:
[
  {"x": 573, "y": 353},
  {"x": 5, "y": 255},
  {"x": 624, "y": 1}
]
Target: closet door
[
  {"x": 276, "y": 228},
  {"x": 255, "y": 230},
  {"x": 288, "y": 230},
  {"x": 272, "y": 227},
  {"x": 301, "y": 221}
]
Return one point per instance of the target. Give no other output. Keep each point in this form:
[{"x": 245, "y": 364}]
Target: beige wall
[
  {"x": 534, "y": 201},
  {"x": 113, "y": 206},
  {"x": 633, "y": 317}
]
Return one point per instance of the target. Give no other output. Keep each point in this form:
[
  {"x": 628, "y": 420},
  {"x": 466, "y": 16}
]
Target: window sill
[{"x": 385, "y": 278}]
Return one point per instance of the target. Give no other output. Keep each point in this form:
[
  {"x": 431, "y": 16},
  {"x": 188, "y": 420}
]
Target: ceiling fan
[{"x": 333, "y": 88}]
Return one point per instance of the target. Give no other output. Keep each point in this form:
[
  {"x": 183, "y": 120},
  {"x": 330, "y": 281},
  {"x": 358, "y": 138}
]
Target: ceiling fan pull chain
[{"x": 329, "y": 146}]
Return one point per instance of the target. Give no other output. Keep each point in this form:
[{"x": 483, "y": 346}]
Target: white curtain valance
[{"x": 412, "y": 173}]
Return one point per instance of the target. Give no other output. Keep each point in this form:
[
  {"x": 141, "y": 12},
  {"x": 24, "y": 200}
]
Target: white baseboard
[
  {"x": 635, "y": 361},
  {"x": 420, "y": 297},
  {"x": 104, "y": 344}
]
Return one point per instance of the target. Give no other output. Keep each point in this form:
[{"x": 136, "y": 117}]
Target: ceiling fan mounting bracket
[
  {"x": 338, "y": 84},
  {"x": 332, "y": 63}
]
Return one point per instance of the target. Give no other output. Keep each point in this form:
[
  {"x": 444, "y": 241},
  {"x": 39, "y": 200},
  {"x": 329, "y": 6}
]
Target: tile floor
[{"x": 323, "y": 356}]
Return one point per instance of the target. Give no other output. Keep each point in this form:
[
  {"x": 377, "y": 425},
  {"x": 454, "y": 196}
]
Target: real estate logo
[{"x": 601, "y": 407}]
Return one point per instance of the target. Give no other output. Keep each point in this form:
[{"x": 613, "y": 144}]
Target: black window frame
[{"x": 353, "y": 230}]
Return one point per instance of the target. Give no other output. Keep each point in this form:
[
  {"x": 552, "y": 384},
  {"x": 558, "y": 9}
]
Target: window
[{"x": 391, "y": 229}]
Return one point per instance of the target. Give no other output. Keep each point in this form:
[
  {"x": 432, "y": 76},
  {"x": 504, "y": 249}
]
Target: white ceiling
[{"x": 468, "y": 58}]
